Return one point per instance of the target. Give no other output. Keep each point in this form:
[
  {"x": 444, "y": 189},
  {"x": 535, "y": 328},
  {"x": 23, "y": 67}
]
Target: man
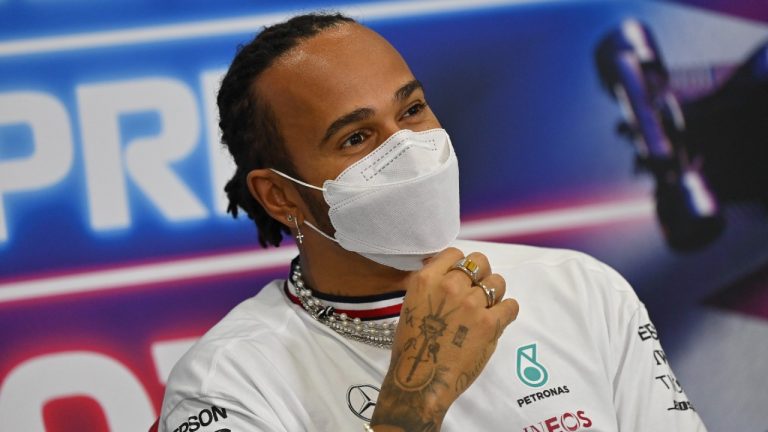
[{"x": 380, "y": 320}]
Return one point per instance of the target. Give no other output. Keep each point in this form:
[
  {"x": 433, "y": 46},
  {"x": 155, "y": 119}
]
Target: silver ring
[
  {"x": 490, "y": 294},
  {"x": 469, "y": 267}
]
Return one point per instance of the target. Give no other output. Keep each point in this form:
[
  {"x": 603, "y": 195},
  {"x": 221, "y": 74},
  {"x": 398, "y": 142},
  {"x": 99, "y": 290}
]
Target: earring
[{"x": 299, "y": 235}]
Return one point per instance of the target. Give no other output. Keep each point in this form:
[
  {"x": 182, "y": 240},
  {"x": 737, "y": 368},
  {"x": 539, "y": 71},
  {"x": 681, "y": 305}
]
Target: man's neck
[{"x": 330, "y": 269}]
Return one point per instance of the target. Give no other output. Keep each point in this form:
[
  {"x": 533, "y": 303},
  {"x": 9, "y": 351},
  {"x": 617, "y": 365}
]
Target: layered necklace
[{"x": 371, "y": 333}]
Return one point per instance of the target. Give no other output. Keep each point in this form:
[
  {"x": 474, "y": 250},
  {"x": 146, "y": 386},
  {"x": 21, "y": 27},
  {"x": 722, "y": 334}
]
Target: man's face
[{"x": 336, "y": 97}]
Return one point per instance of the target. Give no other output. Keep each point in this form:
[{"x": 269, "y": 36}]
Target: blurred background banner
[{"x": 634, "y": 131}]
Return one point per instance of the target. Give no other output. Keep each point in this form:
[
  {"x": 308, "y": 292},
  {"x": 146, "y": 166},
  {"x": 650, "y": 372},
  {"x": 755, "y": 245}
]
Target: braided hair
[{"x": 248, "y": 125}]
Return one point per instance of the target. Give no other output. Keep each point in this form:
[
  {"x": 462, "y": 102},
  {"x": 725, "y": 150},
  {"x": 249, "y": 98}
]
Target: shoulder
[
  {"x": 213, "y": 366},
  {"x": 557, "y": 274},
  {"x": 509, "y": 255}
]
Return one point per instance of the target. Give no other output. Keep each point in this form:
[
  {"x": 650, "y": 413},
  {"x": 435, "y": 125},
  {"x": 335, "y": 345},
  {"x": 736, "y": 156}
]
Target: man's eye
[
  {"x": 354, "y": 139},
  {"x": 415, "y": 109}
]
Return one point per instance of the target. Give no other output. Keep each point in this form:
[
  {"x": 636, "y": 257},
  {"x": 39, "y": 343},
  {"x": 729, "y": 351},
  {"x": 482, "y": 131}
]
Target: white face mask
[{"x": 399, "y": 204}]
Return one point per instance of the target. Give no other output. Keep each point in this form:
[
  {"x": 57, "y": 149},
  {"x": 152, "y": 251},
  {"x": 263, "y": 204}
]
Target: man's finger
[
  {"x": 444, "y": 260},
  {"x": 484, "y": 267},
  {"x": 497, "y": 282},
  {"x": 508, "y": 310}
]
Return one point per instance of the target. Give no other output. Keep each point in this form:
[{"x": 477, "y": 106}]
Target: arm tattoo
[{"x": 408, "y": 410}]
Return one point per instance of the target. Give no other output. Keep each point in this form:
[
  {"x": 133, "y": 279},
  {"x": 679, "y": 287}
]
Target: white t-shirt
[{"x": 582, "y": 355}]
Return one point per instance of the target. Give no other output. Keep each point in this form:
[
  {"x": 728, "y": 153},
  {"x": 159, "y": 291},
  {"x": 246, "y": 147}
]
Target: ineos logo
[
  {"x": 362, "y": 400},
  {"x": 568, "y": 421}
]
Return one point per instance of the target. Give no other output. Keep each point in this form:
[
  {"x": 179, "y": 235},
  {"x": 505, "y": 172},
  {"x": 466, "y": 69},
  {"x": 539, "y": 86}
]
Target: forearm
[{"x": 398, "y": 409}]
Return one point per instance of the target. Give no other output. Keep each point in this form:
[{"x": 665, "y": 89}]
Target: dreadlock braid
[{"x": 247, "y": 123}]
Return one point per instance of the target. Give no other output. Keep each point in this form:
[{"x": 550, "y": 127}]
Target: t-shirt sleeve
[
  {"x": 210, "y": 414},
  {"x": 647, "y": 395}
]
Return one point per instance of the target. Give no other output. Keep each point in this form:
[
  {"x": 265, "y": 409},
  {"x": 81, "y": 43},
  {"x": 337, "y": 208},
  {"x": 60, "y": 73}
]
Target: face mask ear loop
[
  {"x": 296, "y": 181},
  {"x": 305, "y": 222},
  {"x": 320, "y": 232}
]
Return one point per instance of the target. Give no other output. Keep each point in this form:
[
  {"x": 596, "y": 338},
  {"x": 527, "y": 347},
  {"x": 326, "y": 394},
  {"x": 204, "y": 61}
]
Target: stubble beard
[{"x": 318, "y": 208}]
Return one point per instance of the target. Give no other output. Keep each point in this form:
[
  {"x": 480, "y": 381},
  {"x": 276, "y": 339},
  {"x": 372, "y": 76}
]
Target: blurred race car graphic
[{"x": 702, "y": 133}]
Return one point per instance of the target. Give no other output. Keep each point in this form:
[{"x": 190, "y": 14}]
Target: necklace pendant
[{"x": 325, "y": 312}]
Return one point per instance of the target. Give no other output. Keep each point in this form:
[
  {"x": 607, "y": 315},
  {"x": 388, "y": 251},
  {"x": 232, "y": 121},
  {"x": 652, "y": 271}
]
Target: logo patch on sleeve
[{"x": 205, "y": 417}]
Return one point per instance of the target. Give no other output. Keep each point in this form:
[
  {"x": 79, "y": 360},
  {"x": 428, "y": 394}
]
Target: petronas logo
[{"x": 529, "y": 370}]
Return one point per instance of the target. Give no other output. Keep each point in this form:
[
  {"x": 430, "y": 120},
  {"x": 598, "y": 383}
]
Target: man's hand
[{"x": 445, "y": 337}]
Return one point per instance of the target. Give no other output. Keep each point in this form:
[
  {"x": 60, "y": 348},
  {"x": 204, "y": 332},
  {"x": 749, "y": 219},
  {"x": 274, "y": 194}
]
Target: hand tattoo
[
  {"x": 432, "y": 326},
  {"x": 408, "y": 315},
  {"x": 415, "y": 375},
  {"x": 466, "y": 378},
  {"x": 458, "y": 337}
]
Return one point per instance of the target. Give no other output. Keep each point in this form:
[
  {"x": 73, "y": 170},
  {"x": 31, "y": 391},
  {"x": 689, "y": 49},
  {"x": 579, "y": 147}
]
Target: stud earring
[{"x": 299, "y": 235}]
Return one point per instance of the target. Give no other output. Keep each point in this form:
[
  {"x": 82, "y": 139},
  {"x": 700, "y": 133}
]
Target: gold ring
[{"x": 469, "y": 267}]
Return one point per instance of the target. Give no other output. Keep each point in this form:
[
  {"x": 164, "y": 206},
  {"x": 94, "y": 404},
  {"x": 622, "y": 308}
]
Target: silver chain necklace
[{"x": 378, "y": 335}]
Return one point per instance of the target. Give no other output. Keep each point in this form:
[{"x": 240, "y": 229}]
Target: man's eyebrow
[
  {"x": 363, "y": 113},
  {"x": 408, "y": 89},
  {"x": 352, "y": 117}
]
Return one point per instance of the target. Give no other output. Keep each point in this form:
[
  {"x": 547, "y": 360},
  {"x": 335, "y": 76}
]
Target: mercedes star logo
[{"x": 362, "y": 399}]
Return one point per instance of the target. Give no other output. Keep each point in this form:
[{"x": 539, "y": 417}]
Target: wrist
[{"x": 381, "y": 428}]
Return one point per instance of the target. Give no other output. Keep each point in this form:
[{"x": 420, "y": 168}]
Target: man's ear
[{"x": 270, "y": 191}]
